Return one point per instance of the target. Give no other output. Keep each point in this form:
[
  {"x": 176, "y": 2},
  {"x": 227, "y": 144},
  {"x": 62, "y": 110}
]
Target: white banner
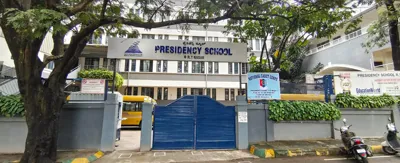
[
  {"x": 94, "y": 86},
  {"x": 371, "y": 83}
]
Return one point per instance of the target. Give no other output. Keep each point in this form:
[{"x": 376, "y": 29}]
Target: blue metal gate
[{"x": 194, "y": 122}]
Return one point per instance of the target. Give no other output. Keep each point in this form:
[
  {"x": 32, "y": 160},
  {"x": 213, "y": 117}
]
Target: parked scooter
[
  {"x": 353, "y": 144},
  {"x": 391, "y": 145}
]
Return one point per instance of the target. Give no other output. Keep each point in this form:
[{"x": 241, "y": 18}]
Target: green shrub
[
  {"x": 303, "y": 111},
  {"x": 349, "y": 101},
  {"x": 11, "y": 106},
  {"x": 102, "y": 74}
]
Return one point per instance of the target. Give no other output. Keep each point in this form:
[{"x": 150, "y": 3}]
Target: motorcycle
[
  {"x": 354, "y": 145},
  {"x": 391, "y": 146}
]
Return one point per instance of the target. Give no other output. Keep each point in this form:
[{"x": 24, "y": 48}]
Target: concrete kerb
[
  {"x": 272, "y": 153},
  {"x": 91, "y": 158}
]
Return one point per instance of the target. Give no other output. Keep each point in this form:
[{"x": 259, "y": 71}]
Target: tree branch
[
  {"x": 103, "y": 9},
  {"x": 79, "y": 7},
  {"x": 155, "y": 12}
]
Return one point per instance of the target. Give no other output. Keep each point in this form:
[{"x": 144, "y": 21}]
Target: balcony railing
[
  {"x": 384, "y": 67},
  {"x": 342, "y": 39}
]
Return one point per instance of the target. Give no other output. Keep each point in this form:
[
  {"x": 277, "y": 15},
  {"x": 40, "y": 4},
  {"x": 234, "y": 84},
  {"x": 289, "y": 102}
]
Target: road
[{"x": 376, "y": 159}]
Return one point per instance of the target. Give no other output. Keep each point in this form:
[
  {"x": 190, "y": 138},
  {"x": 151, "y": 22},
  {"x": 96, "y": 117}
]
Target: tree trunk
[
  {"x": 394, "y": 33},
  {"x": 42, "y": 116}
]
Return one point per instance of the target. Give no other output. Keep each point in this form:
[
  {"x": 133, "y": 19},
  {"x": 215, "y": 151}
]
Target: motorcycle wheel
[{"x": 388, "y": 150}]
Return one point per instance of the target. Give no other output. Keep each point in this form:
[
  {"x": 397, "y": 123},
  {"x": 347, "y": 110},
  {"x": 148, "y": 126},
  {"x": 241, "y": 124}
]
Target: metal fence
[{"x": 301, "y": 88}]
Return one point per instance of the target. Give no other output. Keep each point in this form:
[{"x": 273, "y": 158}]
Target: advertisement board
[
  {"x": 93, "y": 86},
  {"x": 263, "y": 86},
  {"x": 128, "y": 48},
  {"x": 370, "y": 83}
]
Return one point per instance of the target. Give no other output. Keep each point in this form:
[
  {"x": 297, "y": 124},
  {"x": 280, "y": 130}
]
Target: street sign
[{"x": 93, "y": 86}]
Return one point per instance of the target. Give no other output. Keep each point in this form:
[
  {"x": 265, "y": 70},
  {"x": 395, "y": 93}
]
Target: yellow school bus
[{"x": 132, "y": 109}]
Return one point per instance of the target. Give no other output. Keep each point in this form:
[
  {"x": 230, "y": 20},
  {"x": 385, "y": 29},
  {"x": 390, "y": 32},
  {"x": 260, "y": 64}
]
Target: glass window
[
  {"x": 230, "y": 40},
  {"x": 216, "y": 39},
  {"x": 148, "y": 36},
  {"x": 236, "y": 66},
  {"x": 178, "y": 93},
  {"x": 135, "y": 91},
  {"x": 226, "y": 94},
  {"x": 210, "y": 67},
  {"x": 92, "y": 63},
  {"x": 159, "y": 93},
  {"x": 186, "y": 66},
  {"x": 132, "y": 106},
  {"x": 158, "y": 66},
  {"x": 165, "y": 93},
  {"x": 133, "y": 65},
  {"x": 216, "y": 68},
  {"x": 184, "y": 91},
  {"x": 128, "y": 91},
  {"x": 232, "y": 94},
  {"x": 146, "y": 66},
  {"x": 179, "y": 66},
  {"x": 166, "y": 37},
  {"x": 229, "y": 67},
  {"x": 165, "y": 66},
  {"x": 258, "y": 44},
  {"x": 214, "y": 93},
  {"x": 148, "y": 91},
  {"x": 245, "y": 68},
  {"x": 198, "y": 67},
  {"x": 209, "y": 92},
  {"x": 198, "y": 38},
  {"x": 209, "y": 38},
  {"x": 127, "y": 65},
  {"x": 160, "y": 37},
  {"x": 196, "y": 91},
  {"x": 179, "y": 37},
  {"x": 187, "y": 38}
]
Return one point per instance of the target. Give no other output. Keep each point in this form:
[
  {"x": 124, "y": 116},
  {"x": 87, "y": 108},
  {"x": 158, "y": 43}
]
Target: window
[
  {"x": 198, "y": 38},
  {"x": 236, "y": 67},
  {"x": 258, "y": 44},
  {"x": 178, "y": 93},
  {"x": 187, "y": 38},
  {"x": 196, "y": 91},
  {"x": 165, "y": 93},
  {"x": 159, "y": 93},
  {"x": 165, "y": 66},
  {"x": 216, "y": 39},
  {"x": 166, "y": 37},
  {"x": 230, "y": 40},
  {"x": 146, "y": 66},
  {"x": 226, "y": 94},
  {"x": 132, "y": 106},
  {"x": 184, "y": 91},
  {"x": 229, "y": 67},
  {"x": 232, "y": 94},
  {"x": 179, "y": 66},
  {"x": 158, "y": 66},
  {"x": 135, "y": 91},
  {"x": 245, "y": 68},
  {"x": 128, "y": 91},
  {"x": 197, "y": 67},
  {"x": 133, "y": 65},
  {"x": 49, "y": 66},
  {"x": 186, "y": 66},
  {"x": 214, "y": 93},
  {"x": 148, "y": 91},
  {"x": 92, "y": 63},
  {"x": 148, "y": 36},
  {"x": 95, "y": 39},
  {"x": 160, "y": 37},
  {"x": 127, "y": 65},
  {"x": 216, "y": 68},
  {"x": 209, "y": 38},
  {"x": 180, "y": 37},
  {"x": 210, "y": 68},
  {"x": 209, "y": 92}
]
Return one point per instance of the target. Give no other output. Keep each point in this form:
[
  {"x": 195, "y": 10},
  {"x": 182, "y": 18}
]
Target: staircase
[{"x": 9, "y": 84}]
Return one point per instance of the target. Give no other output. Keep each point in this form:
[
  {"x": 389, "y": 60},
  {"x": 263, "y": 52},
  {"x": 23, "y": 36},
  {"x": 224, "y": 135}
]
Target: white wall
[
  {"x": 5, "y": 54},
  {"x": 172, "y": 67}
]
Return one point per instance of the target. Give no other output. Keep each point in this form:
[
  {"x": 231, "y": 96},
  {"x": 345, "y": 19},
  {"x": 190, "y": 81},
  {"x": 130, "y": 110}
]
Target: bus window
[{"x": 133, "y": 107}]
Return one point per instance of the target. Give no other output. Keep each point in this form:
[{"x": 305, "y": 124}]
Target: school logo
[
  {"x": 133, "y": 50},
  {"x": 263, "y": 84},
  {"x": 345, "y": 83}
]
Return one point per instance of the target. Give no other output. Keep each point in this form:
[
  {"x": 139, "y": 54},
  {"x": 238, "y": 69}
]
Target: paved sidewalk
[
  {"x": 174, "y": 156},
  {"x": 327, "y": 147},
  {"x": 62, "y": 156}
]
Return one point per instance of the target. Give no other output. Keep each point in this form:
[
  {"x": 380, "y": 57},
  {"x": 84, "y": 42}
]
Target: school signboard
[{"x": 263, "y": 86}]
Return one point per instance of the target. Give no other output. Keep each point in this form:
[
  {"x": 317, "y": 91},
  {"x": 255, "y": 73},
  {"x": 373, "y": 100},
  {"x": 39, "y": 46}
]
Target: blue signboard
[{"x": 263, "y": 86}]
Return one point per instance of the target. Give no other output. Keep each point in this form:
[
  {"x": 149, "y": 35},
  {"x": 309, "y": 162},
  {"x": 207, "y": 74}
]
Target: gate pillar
[
  {"x": 242, "y": 140},
  {"x": 146, "y": 128}
]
